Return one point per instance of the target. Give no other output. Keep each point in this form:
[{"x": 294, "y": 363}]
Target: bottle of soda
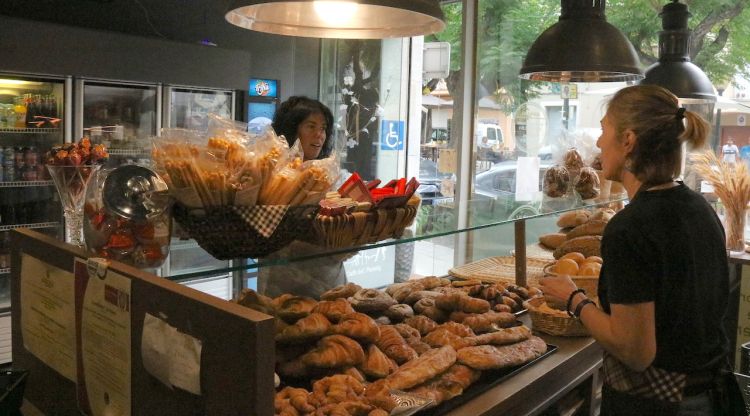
[{"x": 30, "y": 159}]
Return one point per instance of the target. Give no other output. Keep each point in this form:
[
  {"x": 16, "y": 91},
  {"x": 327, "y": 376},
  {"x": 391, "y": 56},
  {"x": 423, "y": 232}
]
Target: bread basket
[
  {"x": 231, "y": 232},
  {"x": 552, "y": 321},
  {"x": 588, "y": 283}
]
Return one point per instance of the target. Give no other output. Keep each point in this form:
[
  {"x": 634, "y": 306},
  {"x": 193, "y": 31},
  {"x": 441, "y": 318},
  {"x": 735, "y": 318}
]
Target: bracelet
[
  {"x": 580, "y": 306},
  {"x": 570, "y": 300}
]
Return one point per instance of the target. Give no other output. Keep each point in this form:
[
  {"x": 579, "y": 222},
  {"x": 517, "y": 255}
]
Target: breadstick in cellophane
[
  {"x": 325, "y": 173},
  {"x": 171, "y": 154}
]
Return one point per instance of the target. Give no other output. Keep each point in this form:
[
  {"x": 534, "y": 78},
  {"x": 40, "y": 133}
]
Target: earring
[{"x": 628, "y": 166}]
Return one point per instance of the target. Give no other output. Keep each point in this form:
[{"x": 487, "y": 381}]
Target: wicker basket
[
  {"x": 553, "y": 322},
  {"x": 588, "y": 283},
  {"x": 225, "y": 234},
  {"x": 351, "y": 230},
  {"x": 500, "y": 269}
]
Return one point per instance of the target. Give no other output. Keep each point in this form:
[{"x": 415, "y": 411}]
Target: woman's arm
[{"x": 628, "y": 333}]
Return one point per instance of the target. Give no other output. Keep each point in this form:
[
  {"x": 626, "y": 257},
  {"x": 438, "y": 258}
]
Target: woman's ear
[{"x": 629, "y": 140}]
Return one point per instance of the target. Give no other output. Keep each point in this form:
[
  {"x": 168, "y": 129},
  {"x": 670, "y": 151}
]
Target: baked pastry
[
  {"x": 394, "y": 345},
  {"x": 428, "y": 308},
  {"x": 383, "y": 320},
  {"x": 307, "y": 329},
  {"x": 297, "y": 398},
  {"x": 292, "y": 308},
  {"x": 431, "y": 282},
  {"x": 334, "y": 309},
  {"x": 422, "y": 368},
  {"x": 573, "y": 161},
  {"x": 489, "y": 321},
  {"x": 379, "y": 394},
  {"x": 336, "y": 389},
  {"x": 448, "y": 385},
  {"x": 354, "y": 372},
  {"x": 490, "y": 357},
  {"x": 421, "y": 323},
  {"x": 587, "y": 184},
  {"x": 254, "y": 300},
  {"x": 518, "y": 290},
  {"x": 334, "y": 351},
  {"x": 556, "y": 182},
  {"x": 572, "y": 219},
  {"x": 456, "y": 328},
  {"x": 504, "y": 336},
  {"x": 399, "y": 312},
  {"x": 343, "y": 291},
  {"x": 597, "y": 162},
  {"x": 442, "y": 336},
  {"x": 407, "y": 331},
  {"x": 371, "y": 301},
  {"x": 358, "y": 326},
  {"x": 462, "y": 302},
  {"x": 418, "y": 295},
  {"x": 501, "y": 307},
  {"x": 377, "y": 364}
]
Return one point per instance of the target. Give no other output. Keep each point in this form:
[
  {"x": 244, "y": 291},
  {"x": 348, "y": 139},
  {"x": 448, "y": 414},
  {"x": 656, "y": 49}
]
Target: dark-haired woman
[
  {"x": 310, "y": 122},
  {"x": 664, "y": 281}
]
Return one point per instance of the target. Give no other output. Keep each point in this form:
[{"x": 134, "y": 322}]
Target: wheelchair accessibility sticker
[{"x": 391, "y": 135}]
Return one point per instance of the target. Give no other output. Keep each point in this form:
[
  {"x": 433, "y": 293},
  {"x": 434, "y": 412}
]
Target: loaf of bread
[
  {"x": 589, "y": 245},
  {"x": 591, "y": 227},
  {"x": 572, "y": 219},
  {"x": 552, "y": 240}
]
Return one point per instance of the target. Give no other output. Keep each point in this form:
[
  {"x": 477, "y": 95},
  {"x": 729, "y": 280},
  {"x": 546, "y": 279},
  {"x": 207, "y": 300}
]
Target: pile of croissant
[{"x": 431, "y": 337}]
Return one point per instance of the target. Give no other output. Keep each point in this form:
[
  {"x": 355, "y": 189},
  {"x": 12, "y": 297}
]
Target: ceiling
[{"x": 191, "y": 21}]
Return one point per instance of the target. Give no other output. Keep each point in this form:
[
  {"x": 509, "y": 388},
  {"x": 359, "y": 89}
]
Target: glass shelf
[
  {"x": 23, "y": 184},
  {"x": 34, "y": 225},
  {"x": 127, "y": 152},
  {"x": 437, "y": 221},
  {"x": 31, "y": 130}
]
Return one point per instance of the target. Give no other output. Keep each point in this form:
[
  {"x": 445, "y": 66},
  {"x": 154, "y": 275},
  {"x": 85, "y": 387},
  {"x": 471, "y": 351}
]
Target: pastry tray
[
  {"x": 500, "y": 269},
  {"x": 487, "y": 380}
]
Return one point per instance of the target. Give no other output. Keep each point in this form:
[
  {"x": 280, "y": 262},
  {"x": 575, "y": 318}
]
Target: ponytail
[{"x": 696, "y": 130}]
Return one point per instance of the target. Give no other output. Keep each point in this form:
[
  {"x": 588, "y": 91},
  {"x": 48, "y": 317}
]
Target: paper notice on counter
[
  {"x": 527, "y": 178},
  {"x": 103, "y": 309},
  {"x": 172, "y": 357},
  {"x": 48, "y": 315}
]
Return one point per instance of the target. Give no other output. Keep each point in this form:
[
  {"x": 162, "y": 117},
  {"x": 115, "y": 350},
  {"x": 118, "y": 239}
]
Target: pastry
[
  {"x": 354, "y": 372},
  {"x": 422, "y": 324},
  {"x": 428, "y": 308},
  {"x": 503, "y": 336},
  {"x": 304, "y": 330},
  {"x": 297, "y": 398},
  {"x": 448, "y": 385},
  {"x": 461, "y": 302},
  {"x": 501, "y": 307},
  {"x": 572, "y": 219},
  {"x": 587, "y": 184},
  {"x": 489, "y": 321},
  {"x": 556, "y": 182},
  {"x": 292, "y": 308},
  {"x": 379, "y": 394},
  {"x": 254, "y": 300},
  {"x": 394, "y": 345},
  {"x": 573, "y": 161},
  {"x": 456, "y": 328},
  {"x": 371, "y": 301},
  {"x": 334, "y": 351},
  {"x": 343, "y": 291},
  {"x": 490, "y": 357},
  {"x": 358, "y": 326},
  {"x": 431, "y": 282},
  {"x": 383, "y": 320},
  {"x": 377, "y": 364},
  {"x": 418, "y": 295},
  {"x": 422, "y": 368},
  {"x": 407, "y": 331},
  {"x": 399, "y": 312},
  {"x": 441, "y": 337},
  {"x": 334, "y": 309},
  {"x": 336, "y": 389}
]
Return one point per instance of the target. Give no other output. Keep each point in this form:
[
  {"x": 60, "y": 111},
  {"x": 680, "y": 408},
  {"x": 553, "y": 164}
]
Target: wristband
[
  {"x": 579, "y": 308},
  {"x": 570, "y": 300}
]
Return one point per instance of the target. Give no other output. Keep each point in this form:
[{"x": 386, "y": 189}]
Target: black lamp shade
[
  {"x": 353, "y": 19},
  {"x": 683, "y": 78},
  {"x": 582, "y": 47}
]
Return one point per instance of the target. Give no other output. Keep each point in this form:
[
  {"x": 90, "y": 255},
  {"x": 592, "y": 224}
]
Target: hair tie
[{"x": 680, "y": 113}]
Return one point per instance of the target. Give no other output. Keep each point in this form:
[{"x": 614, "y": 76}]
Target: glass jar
[{"x": 127, "y": 216}]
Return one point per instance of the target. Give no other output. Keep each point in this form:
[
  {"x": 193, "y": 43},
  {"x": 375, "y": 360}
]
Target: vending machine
[{"x": 263, "y": 99}]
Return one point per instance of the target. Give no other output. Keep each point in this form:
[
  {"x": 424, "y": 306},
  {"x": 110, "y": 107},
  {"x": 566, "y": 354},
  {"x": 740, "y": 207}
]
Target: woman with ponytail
[{"x": 664, "y": 281}]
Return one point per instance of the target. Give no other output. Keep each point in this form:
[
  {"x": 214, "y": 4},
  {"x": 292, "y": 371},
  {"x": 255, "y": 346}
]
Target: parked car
[
  {"x": 498, "y": 185},
  {"x": 429, "y": 181}
]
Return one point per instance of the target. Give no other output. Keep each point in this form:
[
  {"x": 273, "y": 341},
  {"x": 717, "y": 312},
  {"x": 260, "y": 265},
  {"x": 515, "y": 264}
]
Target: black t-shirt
[{"x": 667, "y": 247}]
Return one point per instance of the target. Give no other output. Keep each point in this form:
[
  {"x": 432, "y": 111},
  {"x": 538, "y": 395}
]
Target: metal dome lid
[{"x": 135, "y": 192}]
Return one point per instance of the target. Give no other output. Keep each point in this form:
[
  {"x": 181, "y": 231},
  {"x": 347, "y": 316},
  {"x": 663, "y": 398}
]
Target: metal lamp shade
[
  {"x": 684, "y": 79},
  {"x": 353, "y": 19},
  {"x": 582, "y": 47}
]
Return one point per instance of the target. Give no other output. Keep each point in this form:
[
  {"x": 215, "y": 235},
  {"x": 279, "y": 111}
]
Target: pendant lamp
[
  {"x": 582, "y": 47},
  {"x": 674, "y": 71},
  {"x": 352, "y": 19}
]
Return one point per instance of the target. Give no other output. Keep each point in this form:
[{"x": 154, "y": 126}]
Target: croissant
[
  {"x": 407, "y": 331},
  {"x": 354, "y": 372},
  {"x": 394, "y": 345},
  {"x": 358, "y": 326},
  {"x": 457, "y": 328},
  {"x": 422, "y": 324},
  {"x": 306, "y": 329},
  {"x": 489, "y": 321},
  {"x": 415, "y": 296},
  {"x": 442, "y": 336},
  {"x": 292, "y": 308},
  {"x": 254, "y": 300},
  {"x": 449, "y": 384},
  {"x": 461, "y": 302},
  {"x": 334, "y": 351},
  {"x": 337, "y": 388},
  {"x": 422, "y": 368},
  {"x": 343, "y": 291},
  {"x": 334, "y": 310},
  {"x": 298, "y": 398},
  {"x": 377, "y": 364},
  {"x": 431, "y": 282},
  {"x": 379, "y": 394},
  {"x": 371, "y": 301},
  {"x": 504, "y": 336}
]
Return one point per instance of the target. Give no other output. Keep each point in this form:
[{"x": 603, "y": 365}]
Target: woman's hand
[{"x": 558, "y": 287}]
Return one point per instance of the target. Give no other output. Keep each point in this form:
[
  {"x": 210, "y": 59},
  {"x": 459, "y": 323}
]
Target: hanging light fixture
[
  {"x": 582, "y": 47},
  {"x": 352, "y": 19},
  {"x": 674, "y": 71}
]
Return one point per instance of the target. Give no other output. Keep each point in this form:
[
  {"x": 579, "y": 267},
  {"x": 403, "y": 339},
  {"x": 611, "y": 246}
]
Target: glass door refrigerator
[
  {"x": 188, "y": 108},
  {"x": 124, "y": 116},
  {"x": 34, "y": 111}
]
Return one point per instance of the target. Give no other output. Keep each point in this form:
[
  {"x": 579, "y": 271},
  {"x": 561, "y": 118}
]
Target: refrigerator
[
  {"x": 34, "y": 114},
  {"x": 124, "y": 116},
  {"x": 189, "y": 107}
]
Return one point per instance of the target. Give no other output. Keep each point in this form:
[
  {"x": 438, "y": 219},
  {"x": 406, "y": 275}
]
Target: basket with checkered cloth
[{"x": 231, "y": 232}]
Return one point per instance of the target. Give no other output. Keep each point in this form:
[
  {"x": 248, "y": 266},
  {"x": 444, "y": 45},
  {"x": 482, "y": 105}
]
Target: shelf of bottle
[
  {"x": 24, "y": 184},
  {"x": 30, "y": 130},
  {"x": 5, "y": 271},
  {"x": 33, "y": 225},
  {"x": 127, "y": 152}
]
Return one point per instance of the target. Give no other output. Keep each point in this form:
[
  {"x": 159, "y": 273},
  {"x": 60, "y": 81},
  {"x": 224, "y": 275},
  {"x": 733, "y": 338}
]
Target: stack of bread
[
  {"x": 430, "y": 337},
  {"x": 570, "y": 176},
  {"x": 580, "y": 231}
]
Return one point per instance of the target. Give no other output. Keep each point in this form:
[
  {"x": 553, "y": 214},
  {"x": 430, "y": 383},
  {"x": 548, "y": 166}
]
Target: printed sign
[
  {"x": 263, "y": 88},
  {"x": 741, "y": 120},
  {"x": 391, "y": 135}
]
